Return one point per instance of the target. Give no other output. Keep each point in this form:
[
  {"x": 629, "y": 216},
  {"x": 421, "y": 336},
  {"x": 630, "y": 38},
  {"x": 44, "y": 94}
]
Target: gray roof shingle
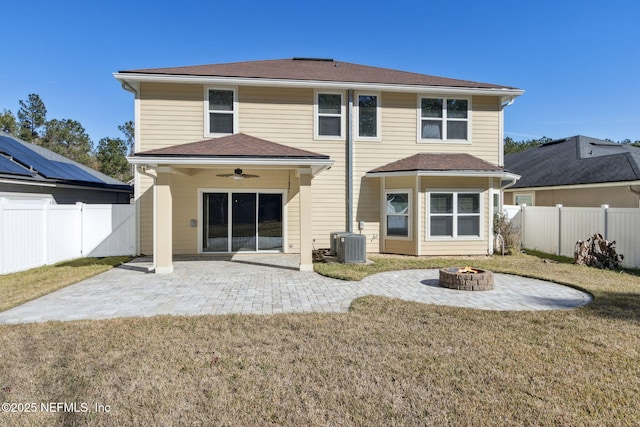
[{"x": 575, "y": 160}]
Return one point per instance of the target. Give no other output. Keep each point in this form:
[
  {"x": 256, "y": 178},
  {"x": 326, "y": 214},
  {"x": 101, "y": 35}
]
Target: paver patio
[{"x": 268, "y": 284}]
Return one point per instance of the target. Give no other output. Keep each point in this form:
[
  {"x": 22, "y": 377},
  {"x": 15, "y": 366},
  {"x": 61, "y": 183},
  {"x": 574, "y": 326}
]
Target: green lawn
[{"x": 385, "y": 362}]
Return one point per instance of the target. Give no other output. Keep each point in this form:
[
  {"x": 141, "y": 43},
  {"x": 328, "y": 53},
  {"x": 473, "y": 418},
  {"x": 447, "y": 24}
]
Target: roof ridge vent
[{"x": 299, "y": 58}]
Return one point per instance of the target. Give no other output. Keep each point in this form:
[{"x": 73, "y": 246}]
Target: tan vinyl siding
[
  {"x": 486, "y": 128},
  {"x": 170, "y": 114},
  {"x": 173, "y": 114},
  {"x": 280, "y": 115},
  {"x": 286, "y": 116},
  {"x": 406, "y": 247}
]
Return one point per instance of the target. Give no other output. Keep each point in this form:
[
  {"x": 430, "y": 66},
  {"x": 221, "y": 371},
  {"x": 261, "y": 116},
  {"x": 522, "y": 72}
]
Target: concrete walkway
[{"x": 267, "y": 284}]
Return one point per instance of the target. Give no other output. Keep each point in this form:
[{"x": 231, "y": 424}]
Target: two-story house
[{"x": 275, "y": 155}]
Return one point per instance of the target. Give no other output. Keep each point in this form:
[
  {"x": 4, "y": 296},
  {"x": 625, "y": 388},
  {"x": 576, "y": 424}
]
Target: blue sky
[{"x": 578, "y": 61}]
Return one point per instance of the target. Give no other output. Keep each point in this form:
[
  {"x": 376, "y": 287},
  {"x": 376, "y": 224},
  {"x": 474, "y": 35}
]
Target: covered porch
[{"x": 228, "y": 195}]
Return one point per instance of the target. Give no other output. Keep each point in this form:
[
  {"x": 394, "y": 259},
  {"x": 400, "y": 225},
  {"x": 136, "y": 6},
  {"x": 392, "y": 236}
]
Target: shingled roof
[
  {"x": 438, "y": 162},
  {"x": 575, "y": 160},
  {"x": 237, "y": 145},
  {"x": 313, "y": 69}
]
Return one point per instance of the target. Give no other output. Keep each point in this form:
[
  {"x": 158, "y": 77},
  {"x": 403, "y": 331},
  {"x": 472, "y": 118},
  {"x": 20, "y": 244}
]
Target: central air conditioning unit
[
  {"x": 333, "y": 241},
  {"x": 352, "y": 248}
]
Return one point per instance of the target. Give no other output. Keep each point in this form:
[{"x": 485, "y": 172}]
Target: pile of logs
[{"x": 597, "y": 252}]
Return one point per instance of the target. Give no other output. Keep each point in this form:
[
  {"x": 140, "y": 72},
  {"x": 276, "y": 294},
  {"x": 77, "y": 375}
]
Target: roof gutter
[
  {"x": 506, "y": 183},
  {"x": 448, "y": 173},
  {"x": 133, "y": 78},
  {"x": 316, "y": 165}
]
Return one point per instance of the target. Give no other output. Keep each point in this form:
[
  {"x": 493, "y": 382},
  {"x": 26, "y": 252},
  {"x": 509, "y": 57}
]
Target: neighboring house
[
  {"x": 275, "y": 155},
  {"x": 31, "y": 172},
  {"x": 576, "y": 171}
]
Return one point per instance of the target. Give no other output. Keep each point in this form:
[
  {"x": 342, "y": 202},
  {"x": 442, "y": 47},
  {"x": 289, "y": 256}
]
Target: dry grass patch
[
  {"x": 18, "y": 288},
  {"x": 386, "y": 362}
]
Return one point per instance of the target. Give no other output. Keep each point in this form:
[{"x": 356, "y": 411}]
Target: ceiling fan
[{"x": 237, "y": 174}]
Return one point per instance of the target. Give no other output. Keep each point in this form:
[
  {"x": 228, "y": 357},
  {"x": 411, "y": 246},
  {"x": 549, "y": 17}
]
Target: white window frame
[
  {"x": 316, "y": 114},
  {"x": 444, "y": 120},
  {"x": 532, "y": 195},
  {"x": 409, "y": 213},
  {"x": 377, "y": 136},
  {"x": 455, "y": 215},
  {"x": 207, "y": 124}
]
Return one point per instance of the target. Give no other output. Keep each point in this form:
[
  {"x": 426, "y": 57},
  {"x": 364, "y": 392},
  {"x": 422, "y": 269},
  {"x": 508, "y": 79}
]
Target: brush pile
[{"x": 597, "y": 252}]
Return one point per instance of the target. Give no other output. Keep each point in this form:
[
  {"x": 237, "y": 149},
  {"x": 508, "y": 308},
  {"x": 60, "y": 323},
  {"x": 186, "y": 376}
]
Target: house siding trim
[{"x": 505, "y": 93}]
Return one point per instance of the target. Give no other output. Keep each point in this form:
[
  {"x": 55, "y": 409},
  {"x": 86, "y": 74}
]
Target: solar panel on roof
[
  {"x": 10, "y": 167},
  {"x": 46, "y": 167}
]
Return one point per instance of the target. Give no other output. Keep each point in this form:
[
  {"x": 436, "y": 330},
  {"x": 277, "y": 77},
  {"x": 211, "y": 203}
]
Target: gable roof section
[
  {"x": 237, "y": 145},
  {"x": 25, "y": 161},
  {"x": 440, "y": 164},
  {"x": 573, "y": 161},
  {"x": 301, "y": 70}
]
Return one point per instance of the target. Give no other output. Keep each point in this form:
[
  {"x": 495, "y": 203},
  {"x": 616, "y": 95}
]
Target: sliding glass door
[{"x": 256, "y": 222}]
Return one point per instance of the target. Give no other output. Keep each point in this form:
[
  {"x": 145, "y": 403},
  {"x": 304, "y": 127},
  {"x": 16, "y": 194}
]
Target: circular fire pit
[{"x": 466, "y": 279}]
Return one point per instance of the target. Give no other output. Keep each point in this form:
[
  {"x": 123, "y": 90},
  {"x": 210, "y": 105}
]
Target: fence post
[
  {"x": 80, "y": 206},
  {"x": 3, "y": 245},
  {"x": 45, "y": 232},
  {"x": 559, "y": 206},
  {"x": 605, "y": 211},
  {"x": 522, "y": 238}
]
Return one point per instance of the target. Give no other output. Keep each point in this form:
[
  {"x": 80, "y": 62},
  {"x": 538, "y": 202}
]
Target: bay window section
[
  {"x": 444, "y": 119},
  {"x": 398, "y": 213},
  {"x": 454, "y": 214}
]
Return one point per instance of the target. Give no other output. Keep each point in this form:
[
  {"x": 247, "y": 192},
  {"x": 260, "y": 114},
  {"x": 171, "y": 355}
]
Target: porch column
[
  {"x": 164, "y": 225},
  {"x": 306, "y": 236}
]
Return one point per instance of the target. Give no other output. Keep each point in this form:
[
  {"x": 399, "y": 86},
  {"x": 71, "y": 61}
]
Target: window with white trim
[
  {"x": 221, "y": 111},
  {"x": 444, "y": 119},
  {"x": 454, "y": 214},
  {"x": 329, "y": 115},
  {"x": 368, "y": 108},
  {"x": 398, "y": 213},
  {"x": 523, "y": 199}
]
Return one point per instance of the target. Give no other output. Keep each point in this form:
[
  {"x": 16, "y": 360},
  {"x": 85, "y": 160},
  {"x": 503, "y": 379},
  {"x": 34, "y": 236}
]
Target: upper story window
[
  {"x": 444, "y": 119},
  {"x": 329, "y": 115},
  {"x": 368, "y": 116},
  {"x": 221, "y": 111}
]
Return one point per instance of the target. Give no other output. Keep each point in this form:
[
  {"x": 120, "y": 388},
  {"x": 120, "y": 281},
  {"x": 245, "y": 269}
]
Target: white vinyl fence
[
  {"x": 557, "y": 229},
  {"x": 36, "y": 234}
]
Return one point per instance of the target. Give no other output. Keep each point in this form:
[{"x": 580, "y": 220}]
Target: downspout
[
  {"x": 142, "y": 170},
  {"x": 349, "y": 165},
  {"x": 508, "y": 184}
]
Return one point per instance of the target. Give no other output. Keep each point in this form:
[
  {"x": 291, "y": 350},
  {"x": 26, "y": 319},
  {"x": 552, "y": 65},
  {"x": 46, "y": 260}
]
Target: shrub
[{"x": 508, "y": 232}]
